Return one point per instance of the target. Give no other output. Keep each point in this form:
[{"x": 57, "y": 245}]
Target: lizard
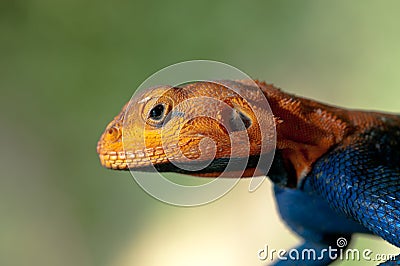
[{"x": 335, "y": 171}]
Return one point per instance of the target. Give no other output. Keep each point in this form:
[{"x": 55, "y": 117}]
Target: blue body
[{"x": 351, "y": 189}]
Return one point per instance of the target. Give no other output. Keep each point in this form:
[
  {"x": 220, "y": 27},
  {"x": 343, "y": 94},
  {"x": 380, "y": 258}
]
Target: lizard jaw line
[
  {"x": 115, "y": 160},
  {"x": 129, "y": 160}
]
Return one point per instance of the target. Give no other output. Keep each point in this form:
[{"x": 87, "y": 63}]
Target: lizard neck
[{"x": 305, "y": 131}]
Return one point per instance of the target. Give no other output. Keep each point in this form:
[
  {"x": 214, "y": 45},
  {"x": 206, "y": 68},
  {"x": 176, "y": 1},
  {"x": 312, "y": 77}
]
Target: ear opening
[
  {"x": 245, "y": 119},
  {"x": 239, "y": 119}
]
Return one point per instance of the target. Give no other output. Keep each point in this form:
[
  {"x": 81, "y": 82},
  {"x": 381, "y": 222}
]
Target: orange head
[{"x": 194, "y": 129}]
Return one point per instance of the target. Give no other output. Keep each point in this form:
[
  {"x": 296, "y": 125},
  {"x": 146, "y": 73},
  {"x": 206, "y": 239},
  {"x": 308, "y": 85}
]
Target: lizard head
[{"x": 193, "y": 129}]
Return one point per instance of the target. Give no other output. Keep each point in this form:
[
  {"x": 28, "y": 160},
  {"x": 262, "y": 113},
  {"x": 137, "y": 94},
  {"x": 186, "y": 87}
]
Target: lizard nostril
[{"x": 113, "y": 133}]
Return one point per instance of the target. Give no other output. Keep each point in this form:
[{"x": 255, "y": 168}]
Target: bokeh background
[{"x": 68, "y": 66}]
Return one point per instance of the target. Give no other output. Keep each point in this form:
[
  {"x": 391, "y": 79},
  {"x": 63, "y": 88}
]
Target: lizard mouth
[
  {"x": 213, "y": 169},
  {"x": 116, "y": 160},
  {"x": 138, "y": 163},
  {"x": 126, "y": 160}
]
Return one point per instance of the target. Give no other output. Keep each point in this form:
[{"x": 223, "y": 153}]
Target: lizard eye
[{"x": 157, "y": 112}]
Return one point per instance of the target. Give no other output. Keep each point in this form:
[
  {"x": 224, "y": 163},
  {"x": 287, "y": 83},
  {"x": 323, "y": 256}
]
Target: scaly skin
[{"x": 336, "y": 171}]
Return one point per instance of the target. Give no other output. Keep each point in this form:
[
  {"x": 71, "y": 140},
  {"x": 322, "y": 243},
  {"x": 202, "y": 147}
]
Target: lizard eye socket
[{"x": 155, "y": 110}]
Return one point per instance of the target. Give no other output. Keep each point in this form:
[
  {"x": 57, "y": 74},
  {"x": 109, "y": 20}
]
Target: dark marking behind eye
[
  {"x": 238, "y": 120},
  {"x": 245, "y": 119}
]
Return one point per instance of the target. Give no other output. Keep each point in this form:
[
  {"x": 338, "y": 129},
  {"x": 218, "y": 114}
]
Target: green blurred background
[{"x": 67, "y": 67}]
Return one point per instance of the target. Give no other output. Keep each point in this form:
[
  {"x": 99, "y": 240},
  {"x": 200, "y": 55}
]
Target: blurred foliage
[{"x": 67, "y": 67}]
